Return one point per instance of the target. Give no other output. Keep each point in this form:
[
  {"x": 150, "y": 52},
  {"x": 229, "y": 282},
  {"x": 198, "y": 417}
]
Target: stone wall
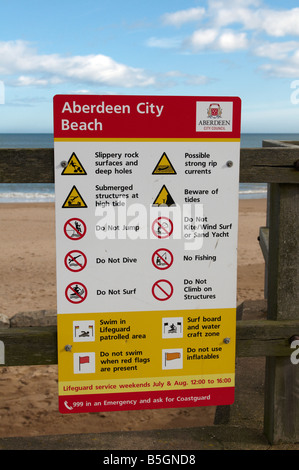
[{"x": 31, "y": 318}]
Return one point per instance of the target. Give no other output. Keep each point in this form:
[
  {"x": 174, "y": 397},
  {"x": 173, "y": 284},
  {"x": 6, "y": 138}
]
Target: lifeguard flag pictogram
[
  {"x": 164, "y": 198},
  {"x": 164, "y": 166},
  {"x": 74, "y": 200},
  {"x": 74, "y": 166}
]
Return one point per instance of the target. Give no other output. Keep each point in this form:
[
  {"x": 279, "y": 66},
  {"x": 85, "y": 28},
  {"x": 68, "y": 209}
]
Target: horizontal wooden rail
[
  {"x": 257, "y": 165},
  {"x": 38, "y": 345}
]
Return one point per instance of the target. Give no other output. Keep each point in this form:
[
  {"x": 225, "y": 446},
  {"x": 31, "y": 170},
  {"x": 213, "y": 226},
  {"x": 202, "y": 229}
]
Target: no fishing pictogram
[{"x": 162, "y": 258}]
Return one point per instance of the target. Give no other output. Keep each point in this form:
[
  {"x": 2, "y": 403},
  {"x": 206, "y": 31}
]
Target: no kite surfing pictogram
[
  {"x": 162, "y": 290},
  {"x": 76, "y": 292},
  {"x": 162, "y": 227}
]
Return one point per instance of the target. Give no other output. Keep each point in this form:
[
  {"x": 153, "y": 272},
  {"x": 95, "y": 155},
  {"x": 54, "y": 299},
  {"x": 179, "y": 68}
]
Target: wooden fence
[{"x": 276, "y": 163}]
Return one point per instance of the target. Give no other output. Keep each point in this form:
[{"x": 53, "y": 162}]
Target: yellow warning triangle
[
  {"x": 74, "y": 200},
  {"x": 164, "y": 198},
  {"x": 74, "y": 166},
  {"x": 164, "y": 166}
]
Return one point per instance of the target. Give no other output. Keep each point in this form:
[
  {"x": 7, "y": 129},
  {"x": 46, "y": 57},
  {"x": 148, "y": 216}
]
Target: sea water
[{"x": 44, "y": 192}]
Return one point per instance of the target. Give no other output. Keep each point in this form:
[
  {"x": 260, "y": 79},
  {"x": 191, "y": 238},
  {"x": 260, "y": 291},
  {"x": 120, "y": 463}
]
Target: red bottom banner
[{"x": 149, "y": 400}]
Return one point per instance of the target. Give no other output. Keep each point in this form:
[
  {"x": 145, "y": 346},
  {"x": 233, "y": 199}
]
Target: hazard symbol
[
  {"x": 75, "y": 229},
  {"x": 164, "y": 198},
  {"x": 75, "y": 261},
  {"x": 76, "y": 292},
  {"x": 74, "y": 200},
  {"x": 162, "y": 259},
  {"x": 164, "y": 166},
  {"x": 162, "y": 290},
  {"x": 74, "y": 166},
  {"x": 162, "y": 227}
]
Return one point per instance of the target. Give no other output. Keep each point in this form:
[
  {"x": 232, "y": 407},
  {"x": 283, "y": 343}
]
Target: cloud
[
  {"x": 183, "y": 16},
  {"x": 212, "y": 39},
  {"x": 164, "y": 43},
  {"x": 21, "y": 59}
]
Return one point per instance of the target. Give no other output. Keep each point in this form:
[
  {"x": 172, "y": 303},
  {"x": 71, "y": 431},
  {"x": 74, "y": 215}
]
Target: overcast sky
[{"x": 245, "y": 48}]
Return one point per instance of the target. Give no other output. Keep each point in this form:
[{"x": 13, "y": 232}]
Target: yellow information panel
[{"x": 146, "y": 192}]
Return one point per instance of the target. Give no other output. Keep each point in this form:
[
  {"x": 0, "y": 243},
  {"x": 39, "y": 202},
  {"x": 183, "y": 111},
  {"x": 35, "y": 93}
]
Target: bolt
[
  {"x": 68, "y": 347},
  {"x": 63, "y": 164},
  {"x": 226, "y": 340},
  {"x": 293, "y": 338},
  {"x": 229, "y": 163}
]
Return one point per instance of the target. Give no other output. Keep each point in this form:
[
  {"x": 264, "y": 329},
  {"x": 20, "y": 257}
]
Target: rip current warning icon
[{"x": 164, "y": 166}]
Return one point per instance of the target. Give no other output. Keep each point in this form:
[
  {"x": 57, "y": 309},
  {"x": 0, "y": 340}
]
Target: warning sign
[
  {"x": 162, "y": 290},
  {"x": 74, "y": 200},
  {"x": 164, "y": 198},
  {"x": 146, "y": 274},
  {"x": 75, "y": 261},
  {"x": 74, "y": 166},
  {"x": 162, "y": 227},
  {"x": 164, "y": 166},
  {"x": 74, "y": 229},
  {"x": 76, "y": 292},
  {"x": 162, "y": 259}
]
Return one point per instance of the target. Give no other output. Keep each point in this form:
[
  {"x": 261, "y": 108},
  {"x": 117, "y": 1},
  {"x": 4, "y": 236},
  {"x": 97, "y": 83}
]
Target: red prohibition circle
[
  {"x": 159, "y": 288},
  {"x": 158, "y": 254},
  {"x": 76, "y": 266},
  {"x": 74, "y": 231},
  {"x": 162, "y": 232},
  {"x": 76, "y": 292}
]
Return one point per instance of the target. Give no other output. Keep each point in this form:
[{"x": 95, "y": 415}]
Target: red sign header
[{"x": 142, "y": 117}]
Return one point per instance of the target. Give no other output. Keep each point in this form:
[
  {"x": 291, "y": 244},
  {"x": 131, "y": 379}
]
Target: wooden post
[{"x": 281, "y": 418}]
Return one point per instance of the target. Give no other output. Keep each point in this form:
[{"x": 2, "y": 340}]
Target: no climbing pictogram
[{"x": 162, "y": 290}]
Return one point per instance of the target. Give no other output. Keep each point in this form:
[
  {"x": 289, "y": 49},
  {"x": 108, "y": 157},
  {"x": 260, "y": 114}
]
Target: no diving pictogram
[
  {"x": 162, "y": 227},
  {"x": 76, "y": 292},
  {"x": 162, "y": 258},
  {"x": 74, "y": 229},
  {"x": 162, "y": 290},
  {"x": 75, "y": 260}
]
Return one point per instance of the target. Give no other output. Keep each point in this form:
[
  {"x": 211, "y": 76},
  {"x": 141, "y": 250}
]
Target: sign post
[{"x": 146, "y": 230}]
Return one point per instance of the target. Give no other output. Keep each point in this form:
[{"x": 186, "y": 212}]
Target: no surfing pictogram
[
  {"x": 162, "y": 258},
  {"x": 76, "y": 292},
  {"x": 74, "y": 229},
  {"x": 162, "y": 227},
  {"x": 75, "y": 261},
  {"x": 162, "y": 290}
]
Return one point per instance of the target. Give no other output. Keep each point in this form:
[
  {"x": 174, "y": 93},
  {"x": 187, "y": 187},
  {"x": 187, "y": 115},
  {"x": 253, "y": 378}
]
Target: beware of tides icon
[{"x": 214, "y": 110}]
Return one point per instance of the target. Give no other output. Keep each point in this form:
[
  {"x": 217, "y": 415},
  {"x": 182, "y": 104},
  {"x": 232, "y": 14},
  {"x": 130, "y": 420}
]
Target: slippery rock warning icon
[
  {"x": 74, "y": 166},
  {"x": 164, "y": 166},
  {"x": 74, "y": 200}
]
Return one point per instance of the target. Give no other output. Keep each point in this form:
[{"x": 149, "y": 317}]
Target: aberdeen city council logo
[
  {"x": 214, "y": 117},
  {"x": 214, "y": 111}
]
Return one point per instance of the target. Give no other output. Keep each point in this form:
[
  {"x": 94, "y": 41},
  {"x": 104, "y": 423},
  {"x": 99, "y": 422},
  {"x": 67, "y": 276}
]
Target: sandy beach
[{"x": 28, "y": 405}]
